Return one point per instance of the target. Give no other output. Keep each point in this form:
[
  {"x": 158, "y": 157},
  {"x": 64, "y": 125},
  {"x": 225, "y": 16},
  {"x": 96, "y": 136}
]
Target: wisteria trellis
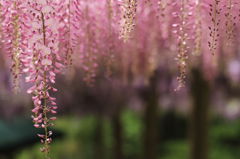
[{"x": 42, "y": 37}]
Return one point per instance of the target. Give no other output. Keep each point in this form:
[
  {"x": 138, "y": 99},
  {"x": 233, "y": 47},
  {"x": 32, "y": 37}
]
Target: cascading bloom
[
  {"x": 231, "y": 20},
  {"x": 87, "y": 38},
  {"x": 182, "y": 31},
  {"x": 42, "y": 62},
  {"x": 215, "y": 10},
  {"x": 65, "y": 16},
  {"x": 198, "y": 29},
  {"x": 129, "y": 9},
  {"x": 164, "y": 16},
  {"x": 13, "y": 37}
]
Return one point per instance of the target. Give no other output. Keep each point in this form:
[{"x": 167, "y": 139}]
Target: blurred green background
[{"x": 79, "y": 141}]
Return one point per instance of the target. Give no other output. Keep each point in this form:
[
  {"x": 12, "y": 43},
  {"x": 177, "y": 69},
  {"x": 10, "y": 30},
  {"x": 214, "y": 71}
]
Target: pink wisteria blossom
[
  {"x": 43, "y": 63},
  {"x": 13, "y": 37},
  {"x": 46, "y": 37}
]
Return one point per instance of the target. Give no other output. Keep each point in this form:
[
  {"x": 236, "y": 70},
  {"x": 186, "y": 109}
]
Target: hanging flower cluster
[
  {"x": 230, "y": 23},
  {"x": 65, "y": 16},
  {"x": 42, "y": 62},
  {"x": 182, "y": 31},
  {"x": 164, "y": 15},
  {"x": 129, "y": 9},
  {"x": 13, "y": 37},
  {"x": 214, "y": 13},
  {"x": 198, "y": 29}
]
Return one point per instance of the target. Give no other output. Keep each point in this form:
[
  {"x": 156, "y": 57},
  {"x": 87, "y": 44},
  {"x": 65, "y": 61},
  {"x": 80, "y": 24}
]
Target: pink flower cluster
[
  {"x": 42, "y": 62},
  {"x": 65, "y": 16},
  {"x": 13, "y": 37},
  {"x": 182, "y": 29}
]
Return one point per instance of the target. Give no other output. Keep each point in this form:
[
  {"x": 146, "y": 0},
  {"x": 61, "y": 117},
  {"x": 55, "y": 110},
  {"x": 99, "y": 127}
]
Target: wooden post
[
  {"x": 150, "y": 118},
  {"x": 199, "y": 123},
  {"x": 117, "y": 135}
]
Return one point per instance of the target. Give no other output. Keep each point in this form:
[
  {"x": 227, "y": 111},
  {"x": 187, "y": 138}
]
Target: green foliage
[
  {"x": 132, "y": 128},
  {"x": 78, "y": 142}
]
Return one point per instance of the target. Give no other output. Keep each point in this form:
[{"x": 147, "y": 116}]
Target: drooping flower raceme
[
  {"x": 86, "y": 38},
  {"x": 13, "y": 37},
  {"x": 215, "y": 11},
  {"x": 65, "y": 16},
  {"x": 129, "y": 9},
  {"x": 182, "y": 32},
  {"x": 42, "y": 62}
]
